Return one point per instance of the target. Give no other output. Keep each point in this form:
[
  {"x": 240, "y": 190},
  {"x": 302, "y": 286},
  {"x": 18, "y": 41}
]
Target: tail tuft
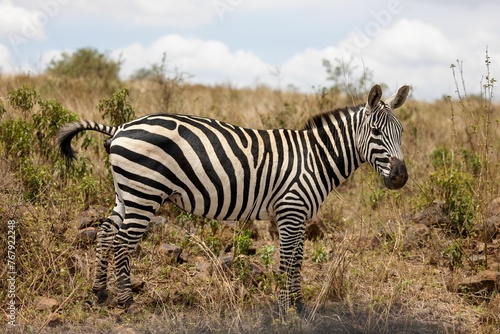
[{"x": 64, "y": 137}]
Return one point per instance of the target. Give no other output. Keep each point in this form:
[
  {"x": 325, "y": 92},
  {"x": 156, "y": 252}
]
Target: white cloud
[
  {"x": 420, "y": 54},
  {"x": 152, "y": 12},
  {"x": 209, "y": 61},
  {"x": 306, "y": 70},
  {"x": 413, "y": 43},
  {"x": 17, "y": 21}
]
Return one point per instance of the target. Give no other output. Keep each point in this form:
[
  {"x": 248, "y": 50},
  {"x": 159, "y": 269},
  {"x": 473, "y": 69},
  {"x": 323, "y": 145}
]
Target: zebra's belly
[{"x": 236, "y": 210}]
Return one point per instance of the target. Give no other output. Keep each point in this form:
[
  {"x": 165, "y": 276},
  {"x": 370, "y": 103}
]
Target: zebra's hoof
[{"x": 102, "y": 296}]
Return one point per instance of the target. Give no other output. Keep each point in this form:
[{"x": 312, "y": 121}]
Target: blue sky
[{"x": 245, "y": 42}]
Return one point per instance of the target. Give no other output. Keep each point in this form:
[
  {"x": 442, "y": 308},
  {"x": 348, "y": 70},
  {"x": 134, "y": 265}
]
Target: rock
[
  {"x": 432, "y": 216},
  {"x": 136, "y": 284},
  {"x": 45, "y": 303},
  {"x": 478, "y": 259},
  {"x": 490, "y": 229},
  {"x": 55, "y": 320},
  {"x": 183, "y": 258},
  {"x": 485, "y": 282},
  {"x": 156, "y": 224},
  {"x": 231, "y": 224},
  {"x": 226, "y": 261},
  {"x": 415, "y": 237},
  {"x": 252, "y": 250},
  {"x": 315, "y": 228},
  {"x": 88, "y": 234},
  {"x": 388, "y": 231},
  {"x": 171, "y": 251},
  {"x": 59, "y": 228},
  {"x": 91, "y": 216},
  {"x": 493, "y": 209},
  {"x": 203, "y": 267},
  {"x": 158, "y": 220}
]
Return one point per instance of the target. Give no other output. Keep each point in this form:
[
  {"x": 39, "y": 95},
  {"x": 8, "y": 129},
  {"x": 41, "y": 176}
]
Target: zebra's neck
[{"x": 333, "y": 141}]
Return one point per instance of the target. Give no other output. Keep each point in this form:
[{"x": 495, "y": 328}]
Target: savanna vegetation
[{"x": 424, "y": 259}]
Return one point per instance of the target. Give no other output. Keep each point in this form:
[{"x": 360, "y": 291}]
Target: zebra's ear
[
  {"x": 373, "y": 98},
  {"x": 396, "y": 100}
]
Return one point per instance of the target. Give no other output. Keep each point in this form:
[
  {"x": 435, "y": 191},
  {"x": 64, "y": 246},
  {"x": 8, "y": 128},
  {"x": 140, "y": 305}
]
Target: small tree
[{"x": 169, "y": 82}]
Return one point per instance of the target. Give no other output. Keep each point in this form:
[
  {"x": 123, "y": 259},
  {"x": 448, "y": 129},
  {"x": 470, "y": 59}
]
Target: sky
[{"x": 279, "y": 43}]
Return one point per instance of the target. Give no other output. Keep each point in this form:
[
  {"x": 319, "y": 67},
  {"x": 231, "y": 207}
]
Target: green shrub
[
  {"x": 23, "y": 99},
  {"x": 36, "y": 179},
  {"x": 242, "y": 242},
  {"x": 266, "y": 254},
  {"x": 28, "y": 143},
  {"x": 452, "y": 182},
  {"x": 454, "y": 254},
  {"x": 319, "y": 254},
  {"x": 16, "y": 137},
  {"x": 46, "y": 123},
  {"x": 117, "y": 108}
]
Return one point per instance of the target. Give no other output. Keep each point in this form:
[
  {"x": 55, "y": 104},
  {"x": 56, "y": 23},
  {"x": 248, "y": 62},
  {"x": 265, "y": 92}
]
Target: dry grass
[{"x": 366, "y": 282}]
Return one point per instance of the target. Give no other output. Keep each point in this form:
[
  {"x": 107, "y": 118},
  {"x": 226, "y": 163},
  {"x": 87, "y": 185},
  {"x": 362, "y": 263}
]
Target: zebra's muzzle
[{"x": 398, "y": 176}]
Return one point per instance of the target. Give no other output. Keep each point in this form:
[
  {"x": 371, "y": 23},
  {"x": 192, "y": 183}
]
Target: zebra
[{"x": 221, "y": 171}]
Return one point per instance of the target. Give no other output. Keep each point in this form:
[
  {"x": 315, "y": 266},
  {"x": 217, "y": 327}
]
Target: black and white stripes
[{"x": 218, "y": 170}]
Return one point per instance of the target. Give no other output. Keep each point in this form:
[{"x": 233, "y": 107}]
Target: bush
[
  {"x": 97, "y": 71},
  {"x": 86, "y": 63},
  {"x": 118, "y": 108},
  {"x": 452, "y": 182},
  {"x": 27, "y": 143}
]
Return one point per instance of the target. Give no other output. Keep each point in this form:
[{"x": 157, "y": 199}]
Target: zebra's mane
[{"x": 317, "y": 120}]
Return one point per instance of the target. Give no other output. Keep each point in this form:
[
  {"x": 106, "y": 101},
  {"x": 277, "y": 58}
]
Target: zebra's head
[{"x": 379, "y": 139}]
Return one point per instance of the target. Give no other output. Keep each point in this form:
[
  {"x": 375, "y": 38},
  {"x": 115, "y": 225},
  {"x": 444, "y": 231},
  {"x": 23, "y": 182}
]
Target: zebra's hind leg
[
  {"x": 131, "y": 231},
  {"x": 105, "y": 236}
]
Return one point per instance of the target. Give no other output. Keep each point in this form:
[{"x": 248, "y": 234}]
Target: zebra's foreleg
[
  {"x": 291, "y": 234},
  {"x": 294, "y": 274},
  {"x": 105, "y": 237}
]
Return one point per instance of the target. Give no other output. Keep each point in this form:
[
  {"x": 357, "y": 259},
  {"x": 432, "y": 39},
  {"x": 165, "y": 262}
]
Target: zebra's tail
[{"x": 69, "y": 130}]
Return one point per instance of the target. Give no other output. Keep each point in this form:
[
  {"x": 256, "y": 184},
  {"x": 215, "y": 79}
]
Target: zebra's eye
[{"x": 376, "y": 132}]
